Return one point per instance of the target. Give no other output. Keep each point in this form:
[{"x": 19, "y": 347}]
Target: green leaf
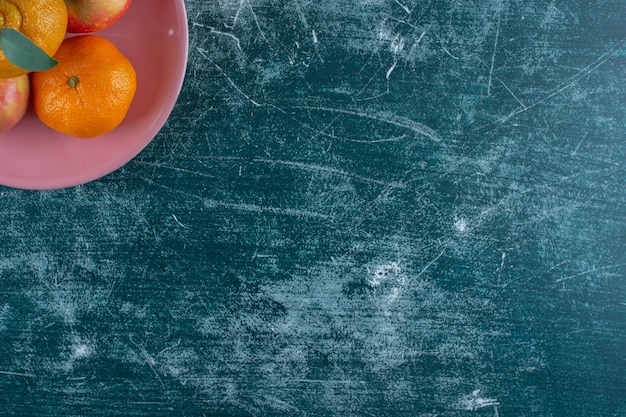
[{"x": 24, "y": 53}]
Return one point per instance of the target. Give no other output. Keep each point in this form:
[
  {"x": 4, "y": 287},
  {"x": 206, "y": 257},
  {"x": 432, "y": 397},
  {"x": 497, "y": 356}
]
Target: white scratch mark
[
  {"x": 257, "y": 255},
  {"x": 589, "y": 271},
  {"x": 578, "y": 146},
  {"x": 397, "y": 44},
  {"x": 283, "y": 405},
  {"x": 256, "y": 20},
  {"x": 493, "y": 55},
  {"x": 511, "y": 92},
  {"x": 179, "y": 223},
  {"x": 219, "y": 32},
  {"x": 305, "y": 23},
  {"x": 569, "y": 83},
  {"x": 557, "y": 265},
  {"x": 204, "y": 53},
  {"x": 326, "y": 381},
  {"x": 321, "y": 169},
  {"x": 394, "y": 139},
  {"x": 449, "y": 53},
  {"x": 194, "y": 173},
  {"x": 384, "y": 117},
  {"x": 242, "y": 4},
  {"x": 239, "y": 9},
  {"x": 501, "y": 268},
  {"x": 151, "y": 363},
  {"x": 390, "y": 70},
  {"x": 405, "y": 8},
  {"x": 420, "y": 38},
  {"x": 429, "y": 264},
  {"x": 10, "y": 373},
  {"x": 474, "y": 402},
  {"x": 253, "y": 208},
  {"x": 230, "y": 35}
]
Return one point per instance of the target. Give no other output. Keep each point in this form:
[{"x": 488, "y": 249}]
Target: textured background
[{"x": 357, "y": 208}]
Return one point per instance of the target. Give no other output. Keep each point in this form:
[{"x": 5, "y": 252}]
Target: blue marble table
[{"x": 357, "y": 208}]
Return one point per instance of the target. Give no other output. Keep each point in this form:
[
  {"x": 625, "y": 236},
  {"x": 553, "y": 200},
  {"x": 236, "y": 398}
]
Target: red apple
[
  {"x": 14, "y": 97},
  {"x": 86, "y": 16}
]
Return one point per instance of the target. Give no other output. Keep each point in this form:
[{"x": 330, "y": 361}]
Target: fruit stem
[{"x": 73, "y": 81}]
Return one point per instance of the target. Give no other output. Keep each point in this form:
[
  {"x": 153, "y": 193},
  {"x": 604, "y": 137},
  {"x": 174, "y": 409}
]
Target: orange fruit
[
  {"x": 89, "y": 92},
  {"x": 43, "y": 21}
]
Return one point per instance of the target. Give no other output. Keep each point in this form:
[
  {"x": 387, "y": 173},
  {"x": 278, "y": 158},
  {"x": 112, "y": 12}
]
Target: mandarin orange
[
  {"x": 43, "y": 21},
  {"x": 89, "y": 92}
]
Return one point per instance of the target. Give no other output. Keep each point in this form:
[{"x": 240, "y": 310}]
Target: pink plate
[{"x": 154, "y": 37}]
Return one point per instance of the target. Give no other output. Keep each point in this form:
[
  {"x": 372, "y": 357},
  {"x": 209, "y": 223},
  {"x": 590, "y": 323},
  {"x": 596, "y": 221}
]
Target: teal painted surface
[{"x": 357, "y": 208}]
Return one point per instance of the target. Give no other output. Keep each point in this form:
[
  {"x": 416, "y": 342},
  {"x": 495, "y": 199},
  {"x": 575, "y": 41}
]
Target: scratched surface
[{"x": 357, "y": 208}]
